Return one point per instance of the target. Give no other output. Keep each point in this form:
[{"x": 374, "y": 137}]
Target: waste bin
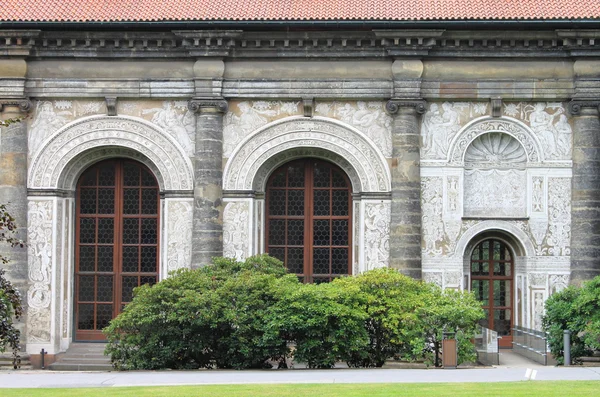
[{"x": 449, "y": 351}]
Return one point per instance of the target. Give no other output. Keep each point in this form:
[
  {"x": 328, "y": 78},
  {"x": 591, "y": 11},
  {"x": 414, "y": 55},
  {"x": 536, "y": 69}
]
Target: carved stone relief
[
  {"x": 246, "y": 117},
  {"x": 452, "y": 194},
  {"x": 495, "y": 149},
  {"x": 439, "y": 126},
  {"x": 558, "y": 282},
  {"x": 537, "y": 279},
  {"x": 538, "y": 229},
  {"x": 538, "y": 309},
  {"x": 40, "y": 251},
  {"x": 50, "y": 116},
  {"x": 549, "y": 122},
  {"x": 179, "y": 234},
  {"x": 432, "y": 205},
  {"x": 177, "y": 120},
  {"x": 175, "y": 168},
  {"x": 559, "y": 216},
  {"x": 235, "y": 229},
  {"x": 368, "y": 117},
  {"x": 537, "y": 194},
  {"x": 495, "y": 192},
  {"x": 434, "y": 277},
  {"x": 377, "y": 234}
]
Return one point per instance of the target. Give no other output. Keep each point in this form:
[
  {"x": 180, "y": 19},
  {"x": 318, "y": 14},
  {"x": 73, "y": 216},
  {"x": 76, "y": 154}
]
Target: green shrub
[
  {"x": 576, "y": 309},
  {"x": 392, "y": 303},
  {"x": 203, "y": 318},
  {"x": 324, "y": 321}
]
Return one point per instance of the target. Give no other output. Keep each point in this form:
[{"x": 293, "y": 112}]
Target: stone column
[
  {"x": 13, "y": 185},
  {"x": 585, "y": 199},
  {"x": 405, "y": 227},
  {"x": 207, "y": 227}
]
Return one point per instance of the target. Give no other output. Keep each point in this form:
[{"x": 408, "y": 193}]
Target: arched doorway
[
  {"x": 116, "y": 246},
  {"x": 308, "y": 219},
  {"x": 492, "y": 269}
]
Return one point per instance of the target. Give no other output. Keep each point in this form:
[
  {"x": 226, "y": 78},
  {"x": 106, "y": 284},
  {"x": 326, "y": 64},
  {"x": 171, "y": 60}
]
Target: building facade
[{"x": 466, "y": 157}]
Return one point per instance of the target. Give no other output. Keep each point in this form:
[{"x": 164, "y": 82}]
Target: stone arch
[
  {"x": 518, "y": 130},
  {"x": 80, "y": 143},
  {"x": 516, "y": 236},
  {"x": 260, "y": 153}
]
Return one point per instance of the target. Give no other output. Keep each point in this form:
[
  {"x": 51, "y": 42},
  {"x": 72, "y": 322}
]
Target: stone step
[
  {"x": 6, "y": 361},
  {"x": 85, "y": 360},
  {"x": 61, "y": 366}
]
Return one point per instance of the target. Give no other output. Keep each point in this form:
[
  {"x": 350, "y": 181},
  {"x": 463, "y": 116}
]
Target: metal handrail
[
  {"x": 486, "y": 345},
  {"x": 531, "y": 343}
]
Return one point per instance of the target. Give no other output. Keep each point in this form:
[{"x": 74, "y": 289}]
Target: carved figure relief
[
  {"x": 178, "y": 121},
  {"x": 368, "y": 117},
  {"x": 432, "y": 206},
  {"x": 495, "y": 191},
  {"x": 49, "y": 117},
  {"x": 40, "y": 253},
  {"x": 559, "y": 216},
  {"x": 235, "y": 229},
  {"x": 377, "y": 234},
  {"x": 434, "y": 278},
  {"x": 245, "y": 117},
  {"x": 538, "y": 229},
  {"x": 40, "y": 270},
  {"x": 438, "y": 128},
  {"x": 452, "y": 229},
  {"x": 538, "y": 310},
  {"x": 549, "y": 122},
  {"x": 179, "y": 234}
]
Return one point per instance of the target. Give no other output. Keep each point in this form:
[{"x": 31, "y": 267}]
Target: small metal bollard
[
  {"x": 567, "y": 347},
  {"x": 43, "y": 353}
]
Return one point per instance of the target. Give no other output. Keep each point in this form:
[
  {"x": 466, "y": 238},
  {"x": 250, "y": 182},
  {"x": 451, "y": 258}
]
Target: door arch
[
  {"x": 309, "y": 219},
  {"x": 492, "y": 274},
  {"x": 117, "y": 241}
]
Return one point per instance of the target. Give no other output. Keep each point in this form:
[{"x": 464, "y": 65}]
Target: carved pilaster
[
  {"x": 585, "y": 201},
  {"x": 405, "y": 227},
  {"x": 207, "y": 227}
]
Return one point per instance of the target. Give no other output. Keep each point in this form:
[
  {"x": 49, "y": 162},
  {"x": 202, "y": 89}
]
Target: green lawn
[{"x": 503, "y": 389}]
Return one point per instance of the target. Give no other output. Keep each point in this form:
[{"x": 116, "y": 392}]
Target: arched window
[
  {"x": 308, "y": 220},
  {"x": 492, "y": 282},
  {"x": 117, "y": 238}
]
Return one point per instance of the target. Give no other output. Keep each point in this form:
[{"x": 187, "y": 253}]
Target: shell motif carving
[{"x": 495, "y": 149}]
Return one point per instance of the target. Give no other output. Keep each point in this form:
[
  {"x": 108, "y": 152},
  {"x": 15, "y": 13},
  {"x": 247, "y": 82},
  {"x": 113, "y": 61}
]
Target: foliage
[
  {"x": 454, "y": 312},
  {"x": 7, "y": 122},
  {"x": 392, "y": 303},
  {"x": 325, "y": 321},
  {"x": 209, "y": 317},
  {"x": 10, "y": 299},
  {"x": 576, "y": 309}
]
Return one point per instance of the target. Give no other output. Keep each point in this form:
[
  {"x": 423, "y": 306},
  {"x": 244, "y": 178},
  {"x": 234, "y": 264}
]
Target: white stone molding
[
  {"x": 85, "y": 140},
  {"x": 517, "y": 129},
  {"x": 177, "y": 241},
  {"x": 494, "y": 225},
  {"x": 261, "y": 152}
]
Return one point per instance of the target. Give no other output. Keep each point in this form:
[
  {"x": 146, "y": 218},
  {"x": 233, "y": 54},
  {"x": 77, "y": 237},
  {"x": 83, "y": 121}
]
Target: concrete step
[
  {"x": 6, "y": 361},
  {"x": 60, "y": 366},
  {"x": 83, "y": 357}
]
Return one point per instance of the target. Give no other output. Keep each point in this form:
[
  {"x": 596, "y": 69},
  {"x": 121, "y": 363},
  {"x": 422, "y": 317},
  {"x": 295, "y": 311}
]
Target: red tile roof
[{"x": 307, "y": 10}]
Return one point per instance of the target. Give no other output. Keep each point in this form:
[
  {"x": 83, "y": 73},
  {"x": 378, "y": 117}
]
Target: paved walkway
[{"x": 502, "y": 373}]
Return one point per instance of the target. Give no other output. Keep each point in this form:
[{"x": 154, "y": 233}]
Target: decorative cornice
[
  {"x": 208, "y": 105},
  {"x": 575, "y": 107},
  {"x": 393, "y": 105},
  {"x": 24, "y": 104}
]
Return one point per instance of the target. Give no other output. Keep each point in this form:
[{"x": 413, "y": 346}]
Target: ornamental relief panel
[
  {"x": 559, "y": 217},
  {"x": 179, "y": 234},
  {"x": 432, "y": 224},
  {"x": 245, "y": 117},
  {"x": 547, "y": 122},
  {"x": 40, "y": 253},
  {"x": 368, "y": 117},
  {"x": 235, "y": 229},
  {"x": 495, "y": 191},
  {"x": 49, "y": 116},
  {"x": 377, "y": 234}
]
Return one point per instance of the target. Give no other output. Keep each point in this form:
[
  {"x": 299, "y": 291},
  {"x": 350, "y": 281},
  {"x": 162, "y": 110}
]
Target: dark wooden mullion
[{"x": 309, "y": 226}]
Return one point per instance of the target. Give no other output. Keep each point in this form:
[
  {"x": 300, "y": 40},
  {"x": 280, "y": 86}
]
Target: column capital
[
  {"x": 24, "y": 104},
  {"x": 576, "y": 106},
  {"x": 393, "y": 105},
  {"x": 201, "y": 105}
]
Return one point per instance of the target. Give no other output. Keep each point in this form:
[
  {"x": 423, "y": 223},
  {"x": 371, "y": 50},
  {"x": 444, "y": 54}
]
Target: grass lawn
[{"x": 503, "y": 389}]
